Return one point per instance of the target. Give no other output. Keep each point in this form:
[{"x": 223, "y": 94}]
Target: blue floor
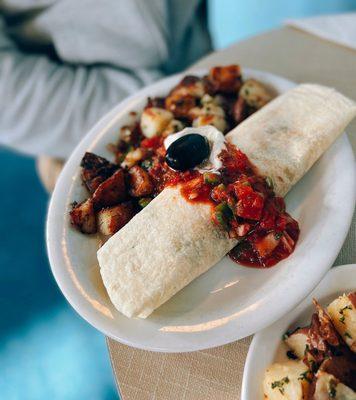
[{"x": 46, "y": 350}]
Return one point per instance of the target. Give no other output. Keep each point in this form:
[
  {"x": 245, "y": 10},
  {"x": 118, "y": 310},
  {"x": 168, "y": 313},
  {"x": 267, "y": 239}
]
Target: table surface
[{"x": 217, "y": 373}]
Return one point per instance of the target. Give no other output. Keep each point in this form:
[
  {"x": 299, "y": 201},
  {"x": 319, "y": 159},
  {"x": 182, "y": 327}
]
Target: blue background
[{"x": 46, "y": 350}]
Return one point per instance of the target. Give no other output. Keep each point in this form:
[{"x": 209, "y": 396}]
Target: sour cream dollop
[{"x": 216, "y": 141}]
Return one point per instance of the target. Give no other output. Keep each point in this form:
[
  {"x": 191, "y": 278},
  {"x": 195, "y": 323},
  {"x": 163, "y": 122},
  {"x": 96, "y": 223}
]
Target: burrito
[{"x": 173, "y": 239}]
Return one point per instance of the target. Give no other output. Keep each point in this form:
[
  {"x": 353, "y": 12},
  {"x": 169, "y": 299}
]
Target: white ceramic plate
[
  {"x": 228, "y": 302},
  {"x": 266, "y": 346}
]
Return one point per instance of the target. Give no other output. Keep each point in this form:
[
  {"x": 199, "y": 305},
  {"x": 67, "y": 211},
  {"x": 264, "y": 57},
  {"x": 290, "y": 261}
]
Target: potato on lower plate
[
  {"x": 343, "y": 314},
  {"x": 298, "y": 341},
  {"x": 328, "y": 387},
  {"x": 286, "y": 381}
]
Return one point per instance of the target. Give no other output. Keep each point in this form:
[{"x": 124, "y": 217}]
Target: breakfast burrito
[{"x": 227, "y": 201}]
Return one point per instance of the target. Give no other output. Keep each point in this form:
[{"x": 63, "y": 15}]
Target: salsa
[{"x": 244, "y": 204}]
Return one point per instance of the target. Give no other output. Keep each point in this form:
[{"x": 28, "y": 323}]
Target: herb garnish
[
  {"x": 348, "y": 335},
  {"x": 269, "y": 182},
  {"x": 332, "y": 389},
  {"x": 304, "y": 376},
  {"x": 279, "y": 384},
  {"x": 278, "y": 235},
  {"x": 341, "y": 312}
]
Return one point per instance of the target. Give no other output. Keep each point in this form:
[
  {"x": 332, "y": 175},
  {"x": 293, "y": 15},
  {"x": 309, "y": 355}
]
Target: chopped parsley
[
  {"x": 280, "y": 384},
  {"x": 304, "y": 376},
  {"x": 341, "y": 312},
  {"x": 346, "y": 334},
  {"x": 144, "y": 202},
  {"x": 278, "y": 235},
  {"x": 314, "y": 366},
  {"x": 147, "y": 164},
  {"x": 332, "y": 389},
  {"x": 306, "y": 349},
  {"x": 269, "y": 182}
]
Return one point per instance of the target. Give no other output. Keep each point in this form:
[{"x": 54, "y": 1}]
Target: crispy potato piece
[
  {"x": 189, "y": 86},
  {"x": 110, "y": 220},
  {"x": 285, "y": 381},
  {"x": 95, "y": 170},
  {"x": 343, "y": 315},
  {"x": 140, "y": 182},
  {"x": 255, "y": 94},
  {"x": 180, "y": 105},
  {"x": 297, "y": 342},
  {"x": 174, "y": 126},
  {"x": 82, "y": 216},
  {"x": 134, "y": 157},
  {"x": 110, "y": 192},
  {"x": 184, "y": 96},
  {"x": 154, "y": 120},
  {"x": 209, "y": 114},
  {"x": 225, "y": 79},
  {"x": 328, "y": 387}
]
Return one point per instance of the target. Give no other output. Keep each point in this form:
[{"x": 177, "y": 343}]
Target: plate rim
[
  {"x": 72, "y": 165},
  {"x": 258, "y": 339}
]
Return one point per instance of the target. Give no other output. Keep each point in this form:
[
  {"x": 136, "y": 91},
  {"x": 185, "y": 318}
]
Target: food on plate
[
  {"x": 282, "y": 381},
  {"x": 342, "y": 312},
  {"x": 285, "y": 138},
  {"x": 197, "y": 194},
  {"x": 322, "y": 364},
  {"x": 139, "y": 172}
]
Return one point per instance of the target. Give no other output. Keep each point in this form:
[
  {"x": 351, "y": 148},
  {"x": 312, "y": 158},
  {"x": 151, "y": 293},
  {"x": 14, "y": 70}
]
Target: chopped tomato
[{"x": 250, "y": 206}]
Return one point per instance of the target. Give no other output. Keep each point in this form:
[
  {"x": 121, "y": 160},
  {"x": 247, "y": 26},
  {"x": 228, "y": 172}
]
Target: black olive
[{"x": 187, "y": 152}]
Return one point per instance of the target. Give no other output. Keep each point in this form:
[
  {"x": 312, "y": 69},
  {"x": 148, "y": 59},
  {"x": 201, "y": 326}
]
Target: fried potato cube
[
  {"x": 226, "y": 79},
  {"x": 110, "y": 192},
  {"x": 134, "y": 157},
  {"x": 343, "y": 315},
  {"x": 111, "y": 219},
  {"x": 297, "y": 342},
  {"x": 173, "y": 126},
  {"x": 95, "y": 170},
  {"x": 328, "y": 387},
  {"x": 185, "y": 96},
  {"x": 154, "y": 120},
  {"x": 140, "y": 182},
  {"x": 82, "y": 216},
  {"x": 209, "y": 114},
  {"x": 255, "y": 93},
  {"x": 286, "y": 381}
]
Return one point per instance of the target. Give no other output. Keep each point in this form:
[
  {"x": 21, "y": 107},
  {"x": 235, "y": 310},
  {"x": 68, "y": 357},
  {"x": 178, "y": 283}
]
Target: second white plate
[{"x": 265, "y": 346}]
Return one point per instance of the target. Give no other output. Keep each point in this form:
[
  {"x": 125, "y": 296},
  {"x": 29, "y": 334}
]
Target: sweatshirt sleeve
[
  {"x": 46, "y": 107},
  {"x": 107, "y": 49}
]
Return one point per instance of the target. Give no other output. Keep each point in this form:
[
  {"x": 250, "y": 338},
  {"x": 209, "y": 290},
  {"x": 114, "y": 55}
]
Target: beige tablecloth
[{"x": 216, "y": 374}]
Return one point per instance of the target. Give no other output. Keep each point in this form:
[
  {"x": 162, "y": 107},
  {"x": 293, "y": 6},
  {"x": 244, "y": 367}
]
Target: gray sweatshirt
[{"x": 64, "y": 63}]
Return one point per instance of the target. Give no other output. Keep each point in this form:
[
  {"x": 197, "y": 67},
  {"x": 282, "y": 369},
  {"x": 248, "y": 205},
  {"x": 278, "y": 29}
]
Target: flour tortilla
[
  {"x": 162, "y": 249},
  {"x": 171, "y": 241},
  {"x": 285, "y": 138}
]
